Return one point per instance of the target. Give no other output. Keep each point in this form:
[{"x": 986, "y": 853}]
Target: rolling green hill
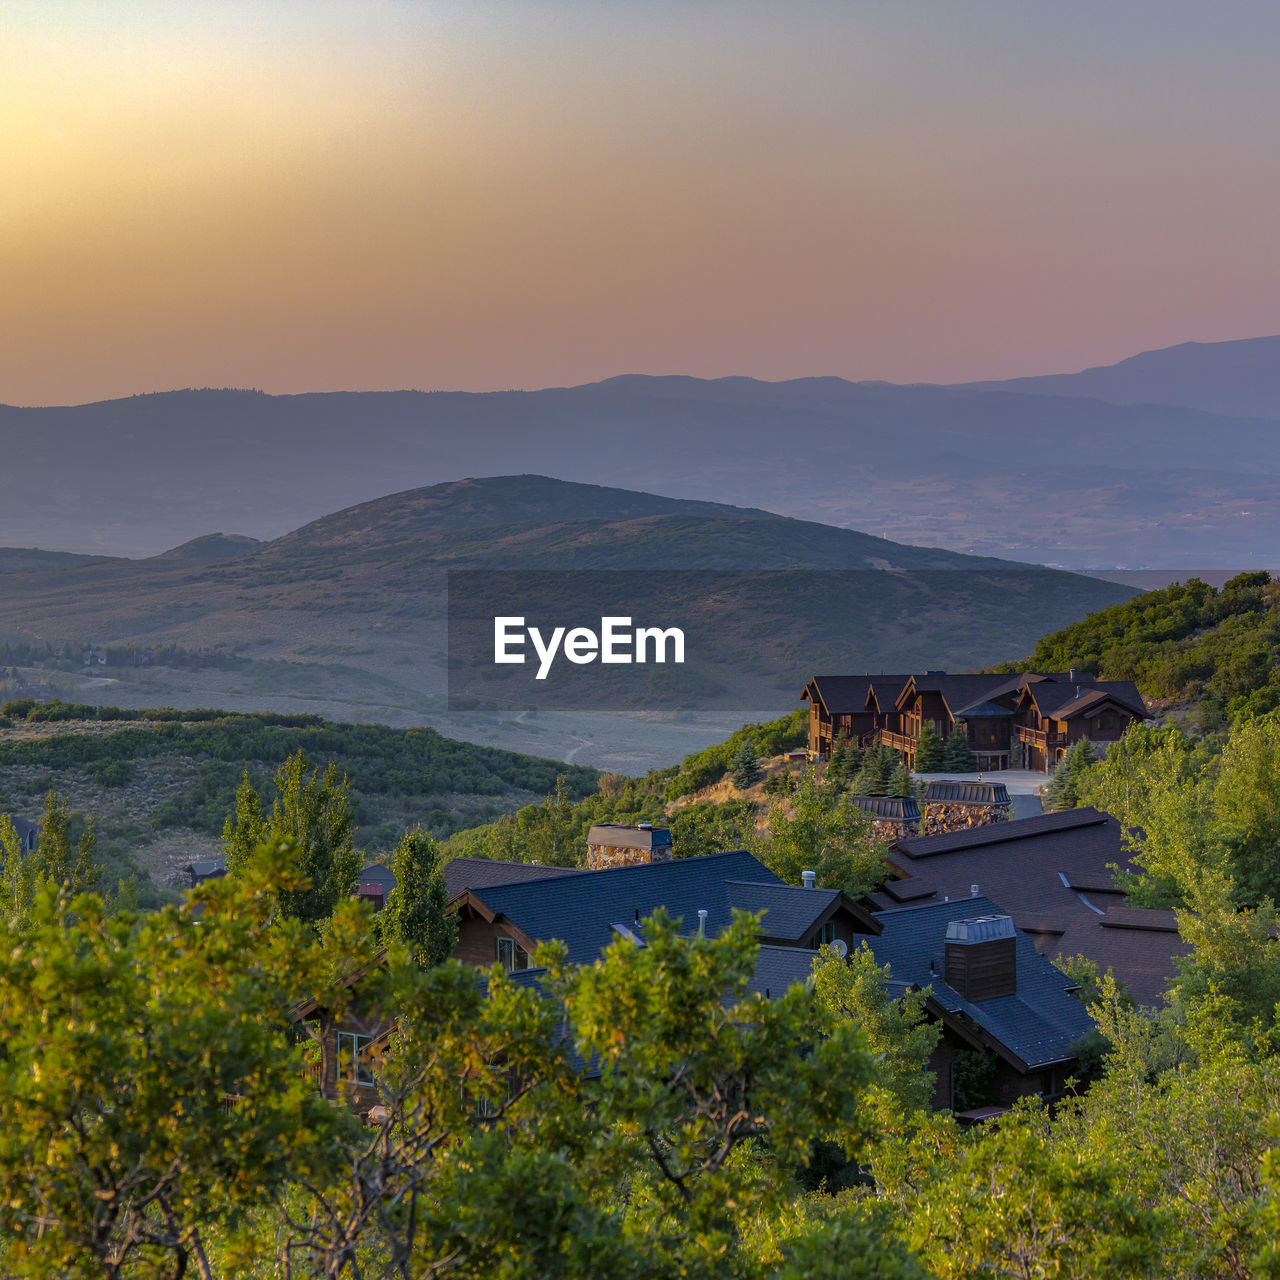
[
  {"x": 1215, "y": 650},
  {"x": 161, "y": 782}
]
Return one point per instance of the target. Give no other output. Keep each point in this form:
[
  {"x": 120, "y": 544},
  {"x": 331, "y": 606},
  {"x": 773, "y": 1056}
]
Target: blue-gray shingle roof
[
  {"x": 581, "y": 909},
  {"x": 779, "y": 968},
  {"x": 1038, "y": 1026},
  {"x": 789, "y": 912}
]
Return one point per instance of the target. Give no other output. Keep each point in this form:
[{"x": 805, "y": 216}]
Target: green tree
[
  {"x": 415, "y": 915},
  {"x": 245, "y": 829},
  {"x": 17, "y": 878},
  {"x": 1061, "y": 791},
  {"x": 313, "y": 814},
  {"x": 901, "y": 783},
  {"x": 86, "y": 871},
  {"x": 878, "y": 763},
  {"x": 699, "y": 829},
  {"x": 744, "y": 766},
  {"x": 845, "y": 762},
  {"x": 1014, "y": 1202},
  {"x": 895, "y": 1028},
  {"x": 70, "y": 866},
  {"x": 818, "y": 829},
  {"x": 1246, "y": 806},
  {"x": 930, "y": 755},
  {"x": 957, "y": 756},
  {"x": 54, "y": 852},
  {"x": 147, "y": 1025}
]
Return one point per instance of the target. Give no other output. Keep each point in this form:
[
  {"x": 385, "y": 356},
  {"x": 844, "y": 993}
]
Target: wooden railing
[
  {"x": 1041, "y": 738},
  {"x": 898, "y": 741}
]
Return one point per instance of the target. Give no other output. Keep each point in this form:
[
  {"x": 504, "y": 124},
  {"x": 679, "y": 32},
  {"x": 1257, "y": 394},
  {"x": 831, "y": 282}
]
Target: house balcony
[
  {"x": 1040, "y": 738},
  {"x": 898, "y": 741}
]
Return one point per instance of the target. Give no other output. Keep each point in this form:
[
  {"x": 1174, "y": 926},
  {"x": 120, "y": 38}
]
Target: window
[
  {"x": 825, "y": 936},
  {"x": 511, "y": 955},
  {"x": 354, "y": 1062}
]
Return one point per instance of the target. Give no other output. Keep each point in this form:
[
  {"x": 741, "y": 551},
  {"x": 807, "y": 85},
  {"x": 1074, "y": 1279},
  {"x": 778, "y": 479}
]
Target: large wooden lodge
[{"x": 1026, "y": 721}]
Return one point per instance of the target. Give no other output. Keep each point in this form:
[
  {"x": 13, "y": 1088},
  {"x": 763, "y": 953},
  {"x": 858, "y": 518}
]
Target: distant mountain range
[
  {"x": 346, "y": 615},
  {"x": 1168, "y": 459}
]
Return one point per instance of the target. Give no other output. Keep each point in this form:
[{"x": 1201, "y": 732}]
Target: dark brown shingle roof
[{"x": 1053, "y": 874}]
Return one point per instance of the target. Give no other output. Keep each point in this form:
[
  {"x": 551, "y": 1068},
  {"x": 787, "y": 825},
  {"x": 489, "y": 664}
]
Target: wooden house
[
  {"x": 1052, "y": 715},
  {"x": 1012, "y": 722}
]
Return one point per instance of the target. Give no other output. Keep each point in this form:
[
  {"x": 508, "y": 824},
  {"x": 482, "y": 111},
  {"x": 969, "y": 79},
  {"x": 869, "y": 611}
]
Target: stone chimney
[
  {"x": 981, "y": 957},
  {"x": 612, "y": 845}
]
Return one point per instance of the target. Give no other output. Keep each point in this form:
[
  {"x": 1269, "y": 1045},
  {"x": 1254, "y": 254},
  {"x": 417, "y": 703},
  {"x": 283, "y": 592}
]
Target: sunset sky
[{"x": 381, "y": 194}]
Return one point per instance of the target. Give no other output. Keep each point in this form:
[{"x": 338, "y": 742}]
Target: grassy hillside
[
  {"x": 161, "y": 782},
  {"x": 1215, "y": 650},
  {"x": 345, "y": 617}
]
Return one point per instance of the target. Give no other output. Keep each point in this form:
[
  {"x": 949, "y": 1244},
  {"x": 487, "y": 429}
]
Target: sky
[{"x": 385, "y": 194}]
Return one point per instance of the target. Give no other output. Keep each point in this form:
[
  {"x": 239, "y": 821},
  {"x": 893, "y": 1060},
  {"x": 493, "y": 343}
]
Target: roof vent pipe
[
  {"x": 810, "y": 878},
  {"x": 973, "y": 891},
  {"x": 702, "y": 923}
]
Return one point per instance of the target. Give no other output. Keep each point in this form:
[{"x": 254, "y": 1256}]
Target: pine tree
[
  {"x": 1080, "y": 757},
  {"x": 1061, "y": 792},
  {"x": 415, "y": 913},
  {"x": 878, "y": 765},
  {"x": 930, "y": 755},
  {"x": 846, "y": 761},
  {"x": 901, "y": 782},
  {"x": 1064, "y": 788},
  {"x": 838, "y": 765},
  {"x": 958, "y": 757},
  {"x": 744, "y": 768}
]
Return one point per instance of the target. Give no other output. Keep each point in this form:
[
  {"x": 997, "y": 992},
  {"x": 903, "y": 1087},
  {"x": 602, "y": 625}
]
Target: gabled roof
[
  {"x": 958, "y": 692},
  {"x": 840, "y": 695},
  {"x": 884, "y": 691},
  {"x": 376, "y": 873},
  {"x": 25, "y": 829},
  {"x": 1091, "y": 701},
  {"x": 1035, "y": 1028},
  {"x": 582, "y": 908},
  {"x": 1061, "y": 696},
  {"x": 475, "y": 873},
  {"x": 790, "y": 913}
]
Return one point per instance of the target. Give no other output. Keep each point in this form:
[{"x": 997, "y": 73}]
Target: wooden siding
[{"x": 982, "y": 970}]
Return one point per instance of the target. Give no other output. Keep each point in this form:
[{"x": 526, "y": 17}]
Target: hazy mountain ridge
[
  {"x": 1235, "y": 378},
  {"x": 1038, "y": 469}
]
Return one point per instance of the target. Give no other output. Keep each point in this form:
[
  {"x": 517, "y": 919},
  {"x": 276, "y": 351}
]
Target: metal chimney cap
[
  {"x": 980, "y": 929},
  {"x": 702, "y": 921},
  {"x": 810, "y": 878}
]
